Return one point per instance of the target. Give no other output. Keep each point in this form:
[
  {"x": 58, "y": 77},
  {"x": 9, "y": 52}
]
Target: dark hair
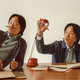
[
  {"x": 22, "y": 22},
  {"x": 76, "y": 29}
]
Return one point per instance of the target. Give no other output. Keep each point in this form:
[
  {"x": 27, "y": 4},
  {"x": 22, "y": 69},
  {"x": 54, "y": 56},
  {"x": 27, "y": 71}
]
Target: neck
[
  {"x": 70, "y": 45},
  {"x": 12, "y": 35}
]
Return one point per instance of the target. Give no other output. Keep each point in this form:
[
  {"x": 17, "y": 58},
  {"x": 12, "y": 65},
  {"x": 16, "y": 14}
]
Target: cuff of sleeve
[{"x": 39, "y": 38}]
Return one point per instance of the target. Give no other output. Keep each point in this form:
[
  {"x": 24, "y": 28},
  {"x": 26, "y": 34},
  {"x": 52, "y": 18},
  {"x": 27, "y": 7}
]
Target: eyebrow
[
  {"x": 70, "y": 31},
  {"x": 15, "y": 21}
]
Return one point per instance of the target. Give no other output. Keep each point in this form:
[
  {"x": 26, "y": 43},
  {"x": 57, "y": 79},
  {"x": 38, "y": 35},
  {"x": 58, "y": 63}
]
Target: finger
[
  {"x": 39, "y": 25},
  {"x": 41, "y": 19},
  {"x": 14, "y": 65},
  {"x": 13, "y": 62},
  {"x": 47, "y": 24},
  {"x": 0, "y": 61},
  {"x": 1, "y": 66}
]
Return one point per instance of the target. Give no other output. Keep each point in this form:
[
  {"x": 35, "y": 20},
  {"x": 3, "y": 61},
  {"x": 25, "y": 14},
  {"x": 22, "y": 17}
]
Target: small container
[
  {"x": 32, "y": 62},
  {"x": 44, "y": 22}
]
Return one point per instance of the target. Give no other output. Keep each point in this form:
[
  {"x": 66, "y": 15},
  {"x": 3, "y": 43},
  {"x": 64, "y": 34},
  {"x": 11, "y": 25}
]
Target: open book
[
  {"x": 11, "y": 74},
  {"x": 58, "y": 68}
]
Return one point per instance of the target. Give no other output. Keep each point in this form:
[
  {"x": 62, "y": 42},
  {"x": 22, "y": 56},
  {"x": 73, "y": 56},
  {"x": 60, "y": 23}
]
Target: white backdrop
[{"x": 58, "y": 12}]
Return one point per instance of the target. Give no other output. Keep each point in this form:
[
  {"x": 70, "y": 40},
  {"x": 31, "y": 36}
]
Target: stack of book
[{"x": 58, "y": 68}]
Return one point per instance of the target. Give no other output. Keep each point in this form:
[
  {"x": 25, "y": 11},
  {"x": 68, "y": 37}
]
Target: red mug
[
  {"x": 44, "y": 21},
  {"x": 32, "y": 62}
]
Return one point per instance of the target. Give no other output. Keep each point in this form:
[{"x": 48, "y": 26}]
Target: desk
[{"x": 74, "y": 74}]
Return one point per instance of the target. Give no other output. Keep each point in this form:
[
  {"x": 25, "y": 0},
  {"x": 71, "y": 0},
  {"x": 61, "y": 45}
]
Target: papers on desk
[
  {"x": 6, "y": 74},
  {"x": 40, "y": 67},
  {"x": 58, "y": 68},
  {"x": 10, "y": 74}
]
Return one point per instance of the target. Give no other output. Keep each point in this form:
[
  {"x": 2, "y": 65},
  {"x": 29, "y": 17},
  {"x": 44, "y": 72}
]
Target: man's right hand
[{"x": 41, "y": 27}]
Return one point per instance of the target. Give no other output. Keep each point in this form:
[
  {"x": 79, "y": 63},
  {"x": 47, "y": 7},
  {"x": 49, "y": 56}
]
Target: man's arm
[
  {"x": 42, "y": 48},
  {"x": 20, "y": 57}
]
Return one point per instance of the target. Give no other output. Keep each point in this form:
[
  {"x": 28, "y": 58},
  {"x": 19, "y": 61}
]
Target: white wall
[{"x": 58, "y": 12}]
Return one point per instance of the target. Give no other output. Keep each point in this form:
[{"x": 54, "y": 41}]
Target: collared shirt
[{"x": 70, "y": 57}]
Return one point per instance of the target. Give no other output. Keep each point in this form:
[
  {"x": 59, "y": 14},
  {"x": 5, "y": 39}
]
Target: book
[
  {"x": 18, "y": 74},
  {"x": 6, "y": 74},
  {"x": 58, "y": 68},
  {"x": 40, "y": 67},
  {"x": 67, "y": 66},
  {"x": 11, "y": 74}
]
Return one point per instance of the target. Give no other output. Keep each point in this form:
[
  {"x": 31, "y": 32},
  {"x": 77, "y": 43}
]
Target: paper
[
  {"x": 11, "y": 74},
  {"x": 58, "y": 68},
  {"x": 40, "y": 67},
  {"x": 6, "y": 74}
]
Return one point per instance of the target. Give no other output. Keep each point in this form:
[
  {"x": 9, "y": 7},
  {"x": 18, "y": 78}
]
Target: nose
[
  {"x": 66, "y": 34},
  {"x": 11, "y": 25}
]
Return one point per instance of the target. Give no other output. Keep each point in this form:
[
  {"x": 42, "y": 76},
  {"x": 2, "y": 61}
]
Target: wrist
[{"x": 40, "y": 34}]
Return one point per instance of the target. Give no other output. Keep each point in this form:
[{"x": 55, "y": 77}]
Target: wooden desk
[{"x": 51, "y": 75}]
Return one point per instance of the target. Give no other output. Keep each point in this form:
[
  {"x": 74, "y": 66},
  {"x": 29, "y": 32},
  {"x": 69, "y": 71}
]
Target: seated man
[
  {"x": 67, "y": 51},
  {"x": 12, "y": 46}
]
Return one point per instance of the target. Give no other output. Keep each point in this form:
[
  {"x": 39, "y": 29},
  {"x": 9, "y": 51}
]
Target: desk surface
[{"x": 74, "y": 74}]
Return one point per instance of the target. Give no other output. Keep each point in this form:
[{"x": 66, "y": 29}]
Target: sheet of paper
[
  {"x": 6, "y": 74},
  {"x": 40, "y": 67},
  {"x": 59, "y": 69},
  {"x": 59, "y": 66},
  {"x": 74, "y": 65}
]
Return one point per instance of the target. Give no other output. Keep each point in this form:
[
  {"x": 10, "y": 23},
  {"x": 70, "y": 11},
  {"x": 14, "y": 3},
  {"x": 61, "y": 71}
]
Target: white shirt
[{"x": 70, "y": 57}]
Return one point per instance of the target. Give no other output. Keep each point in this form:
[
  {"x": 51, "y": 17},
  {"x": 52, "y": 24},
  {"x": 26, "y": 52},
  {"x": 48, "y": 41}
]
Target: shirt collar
[
  {"x": 68, "y": 48},
  {"x": 6, "y": 33},
  {"x": 64, "y": 45},
  {"x": 9, "y": 35}
]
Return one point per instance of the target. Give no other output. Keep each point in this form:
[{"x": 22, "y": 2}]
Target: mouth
[
  {"x": 10, "y": 28},
  {"x": 66, "y": 39}
]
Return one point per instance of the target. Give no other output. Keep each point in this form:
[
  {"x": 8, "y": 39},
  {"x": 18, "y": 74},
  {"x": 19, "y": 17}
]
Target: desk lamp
[{"x": 32, "y": 62}]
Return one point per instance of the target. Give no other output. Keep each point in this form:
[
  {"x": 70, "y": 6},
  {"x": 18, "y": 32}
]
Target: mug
[{"x": 32, "y": 62}]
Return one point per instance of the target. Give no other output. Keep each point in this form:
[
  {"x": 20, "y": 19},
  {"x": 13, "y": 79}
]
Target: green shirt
[{"x": 7, "y": 47}]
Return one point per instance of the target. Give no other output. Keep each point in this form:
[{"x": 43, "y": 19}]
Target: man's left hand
[{"x": 13, "y": 65}]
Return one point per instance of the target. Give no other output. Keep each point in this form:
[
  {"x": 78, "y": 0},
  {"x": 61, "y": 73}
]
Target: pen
[{"x": 11, "y": 27}]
